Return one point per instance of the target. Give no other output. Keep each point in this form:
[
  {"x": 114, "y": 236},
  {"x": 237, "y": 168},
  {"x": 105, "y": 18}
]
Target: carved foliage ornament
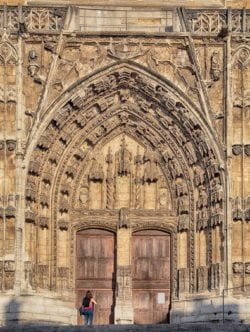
[
  {"x": 44, "y": 18},
  {"x": 209, "y": 21},
  {"x": 247, "y": 150},
  {"x": 237, "y": 149},
  {"x": 8, "y": 53},
  {"x": 238, "y": 267}
]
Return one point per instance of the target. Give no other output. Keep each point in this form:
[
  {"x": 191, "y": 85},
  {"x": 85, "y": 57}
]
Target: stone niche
[{"x": 124, "y": 174}]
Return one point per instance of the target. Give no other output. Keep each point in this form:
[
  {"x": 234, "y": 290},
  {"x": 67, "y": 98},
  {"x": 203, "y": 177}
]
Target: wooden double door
[
  {"x": 96, "y": 271},
  {"x": 151, "y": 276}
]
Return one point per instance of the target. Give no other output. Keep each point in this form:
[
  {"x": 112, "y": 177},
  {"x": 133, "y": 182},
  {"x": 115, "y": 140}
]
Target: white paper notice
[{"x": 161, "y": 298}]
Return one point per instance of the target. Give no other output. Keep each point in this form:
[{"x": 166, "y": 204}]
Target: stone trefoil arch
[{"x": 130, "y": 102}]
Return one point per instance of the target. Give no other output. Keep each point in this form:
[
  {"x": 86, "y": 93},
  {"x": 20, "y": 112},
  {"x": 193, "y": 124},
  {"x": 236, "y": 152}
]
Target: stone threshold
[{"x": 205, "y": 327}]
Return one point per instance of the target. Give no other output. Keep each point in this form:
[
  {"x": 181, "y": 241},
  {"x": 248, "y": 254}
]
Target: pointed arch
[
  {"x": 77, "y": 90},
  {"x": 124, "y": 98}
]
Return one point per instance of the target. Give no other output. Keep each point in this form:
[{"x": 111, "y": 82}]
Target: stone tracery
[{"x": 126, "y": 102}]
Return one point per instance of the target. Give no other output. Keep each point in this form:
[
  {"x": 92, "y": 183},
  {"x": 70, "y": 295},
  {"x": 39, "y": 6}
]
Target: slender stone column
[
  {"x": 20, "y": 183},
  {"x": 124, "y": 313}
]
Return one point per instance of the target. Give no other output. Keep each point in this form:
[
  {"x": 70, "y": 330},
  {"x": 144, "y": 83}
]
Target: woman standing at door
[{"x": 88, "y": 304}]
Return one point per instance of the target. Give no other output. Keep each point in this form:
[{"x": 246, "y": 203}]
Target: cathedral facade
[{"x": 125, "y": 161}]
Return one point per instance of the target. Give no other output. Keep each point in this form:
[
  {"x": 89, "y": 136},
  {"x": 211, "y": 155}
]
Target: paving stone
[{"x": 130, "y": 328}]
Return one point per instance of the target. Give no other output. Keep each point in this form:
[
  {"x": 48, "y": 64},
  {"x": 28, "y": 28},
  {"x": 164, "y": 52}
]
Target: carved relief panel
[{"x": 123, "y": 173}]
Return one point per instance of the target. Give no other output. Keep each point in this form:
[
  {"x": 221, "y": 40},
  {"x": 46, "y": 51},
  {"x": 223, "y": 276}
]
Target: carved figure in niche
[
  {"x": 183, "y": 204},
  {"x": 96, "y": 171},
  {"x": 200, "y": 139},
  {"x": 11, "y": 205},
  {"x": 109, "y": 179},
  {"x": 237, "y": 211},
  {"x": 181, "y": 113},
  {"x": 202, "y": 199},
  {"x": 217, "y": 192},
  {"x": 155, "y": 141},
  {"x": 123, "y": 159},
  {"x": 138, "y": 160},
  {"x": 215, "y": 70},
  {"x": 198, "y": 175},
  {"x": 11, "y": 160},
  {"x": 162, "y": 95},
  {"x": 174, "y": 168},
  {"x": 178, "y": 135},
  {"x": 124, "y": 95},
  {"x": 108, "y": 83},
  {"x": 163, "y": 199},
  {"x": 11, "y": 94},
  {"x": 48, "y": 176},
  {"x": 33, "y": 67},
  {"x": 191, "y": 153},
  {"x": 183, "y": 222},
  {"x": 109, "y": 161},
  {"x": 213, "y": 169},
  {"x": 123, "y": 118},
  {"x": 84, "y": 193},
  {"x": 12, "y": 200},
  {"x": 182, "y": 58},
  {"x": 123, "y": 219},
  {"x": 202, "y": 218},
  {"x": 165, "y": 120},
  {"x": 151, "y": 164},
  {"x": 181, "y": 187},
  {"x": 100, "y": 131},
  {"x": 30, "y": 215},
  {"x": 216, "y": 215},
  {"x": 138, "y": 157}
]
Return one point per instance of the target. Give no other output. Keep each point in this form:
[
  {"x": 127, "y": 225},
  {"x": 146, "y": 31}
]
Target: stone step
[{"x": 206, "y": 327}]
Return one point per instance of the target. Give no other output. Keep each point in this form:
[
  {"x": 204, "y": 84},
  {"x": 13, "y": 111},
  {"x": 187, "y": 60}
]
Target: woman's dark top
[{"x": 86, "y": 301}]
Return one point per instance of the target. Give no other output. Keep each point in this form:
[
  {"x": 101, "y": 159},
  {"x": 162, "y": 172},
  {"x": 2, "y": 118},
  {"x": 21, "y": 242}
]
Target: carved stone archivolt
[{"x": 124, "y": 140}]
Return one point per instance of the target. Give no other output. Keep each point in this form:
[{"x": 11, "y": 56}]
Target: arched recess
[{"x": 126, "y": 102}]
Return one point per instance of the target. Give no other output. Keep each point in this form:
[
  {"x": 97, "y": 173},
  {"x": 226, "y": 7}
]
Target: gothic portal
[{"x": 124, "y": 162}]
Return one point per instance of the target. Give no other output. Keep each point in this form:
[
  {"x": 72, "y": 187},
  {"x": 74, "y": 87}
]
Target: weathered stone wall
[{"x": 147, "y": 121}]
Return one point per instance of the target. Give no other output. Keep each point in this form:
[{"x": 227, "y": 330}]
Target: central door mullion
[{"x": 124, "y": 303}]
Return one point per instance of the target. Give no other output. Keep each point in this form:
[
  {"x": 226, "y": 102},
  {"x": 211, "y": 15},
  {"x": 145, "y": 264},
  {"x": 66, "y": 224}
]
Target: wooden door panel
[
  {"x": 151, "y": 276},
  {"x": 95, "y": 271},
  {"x": 147, "y": 310},
  {"x": 104, "y": 311}
]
